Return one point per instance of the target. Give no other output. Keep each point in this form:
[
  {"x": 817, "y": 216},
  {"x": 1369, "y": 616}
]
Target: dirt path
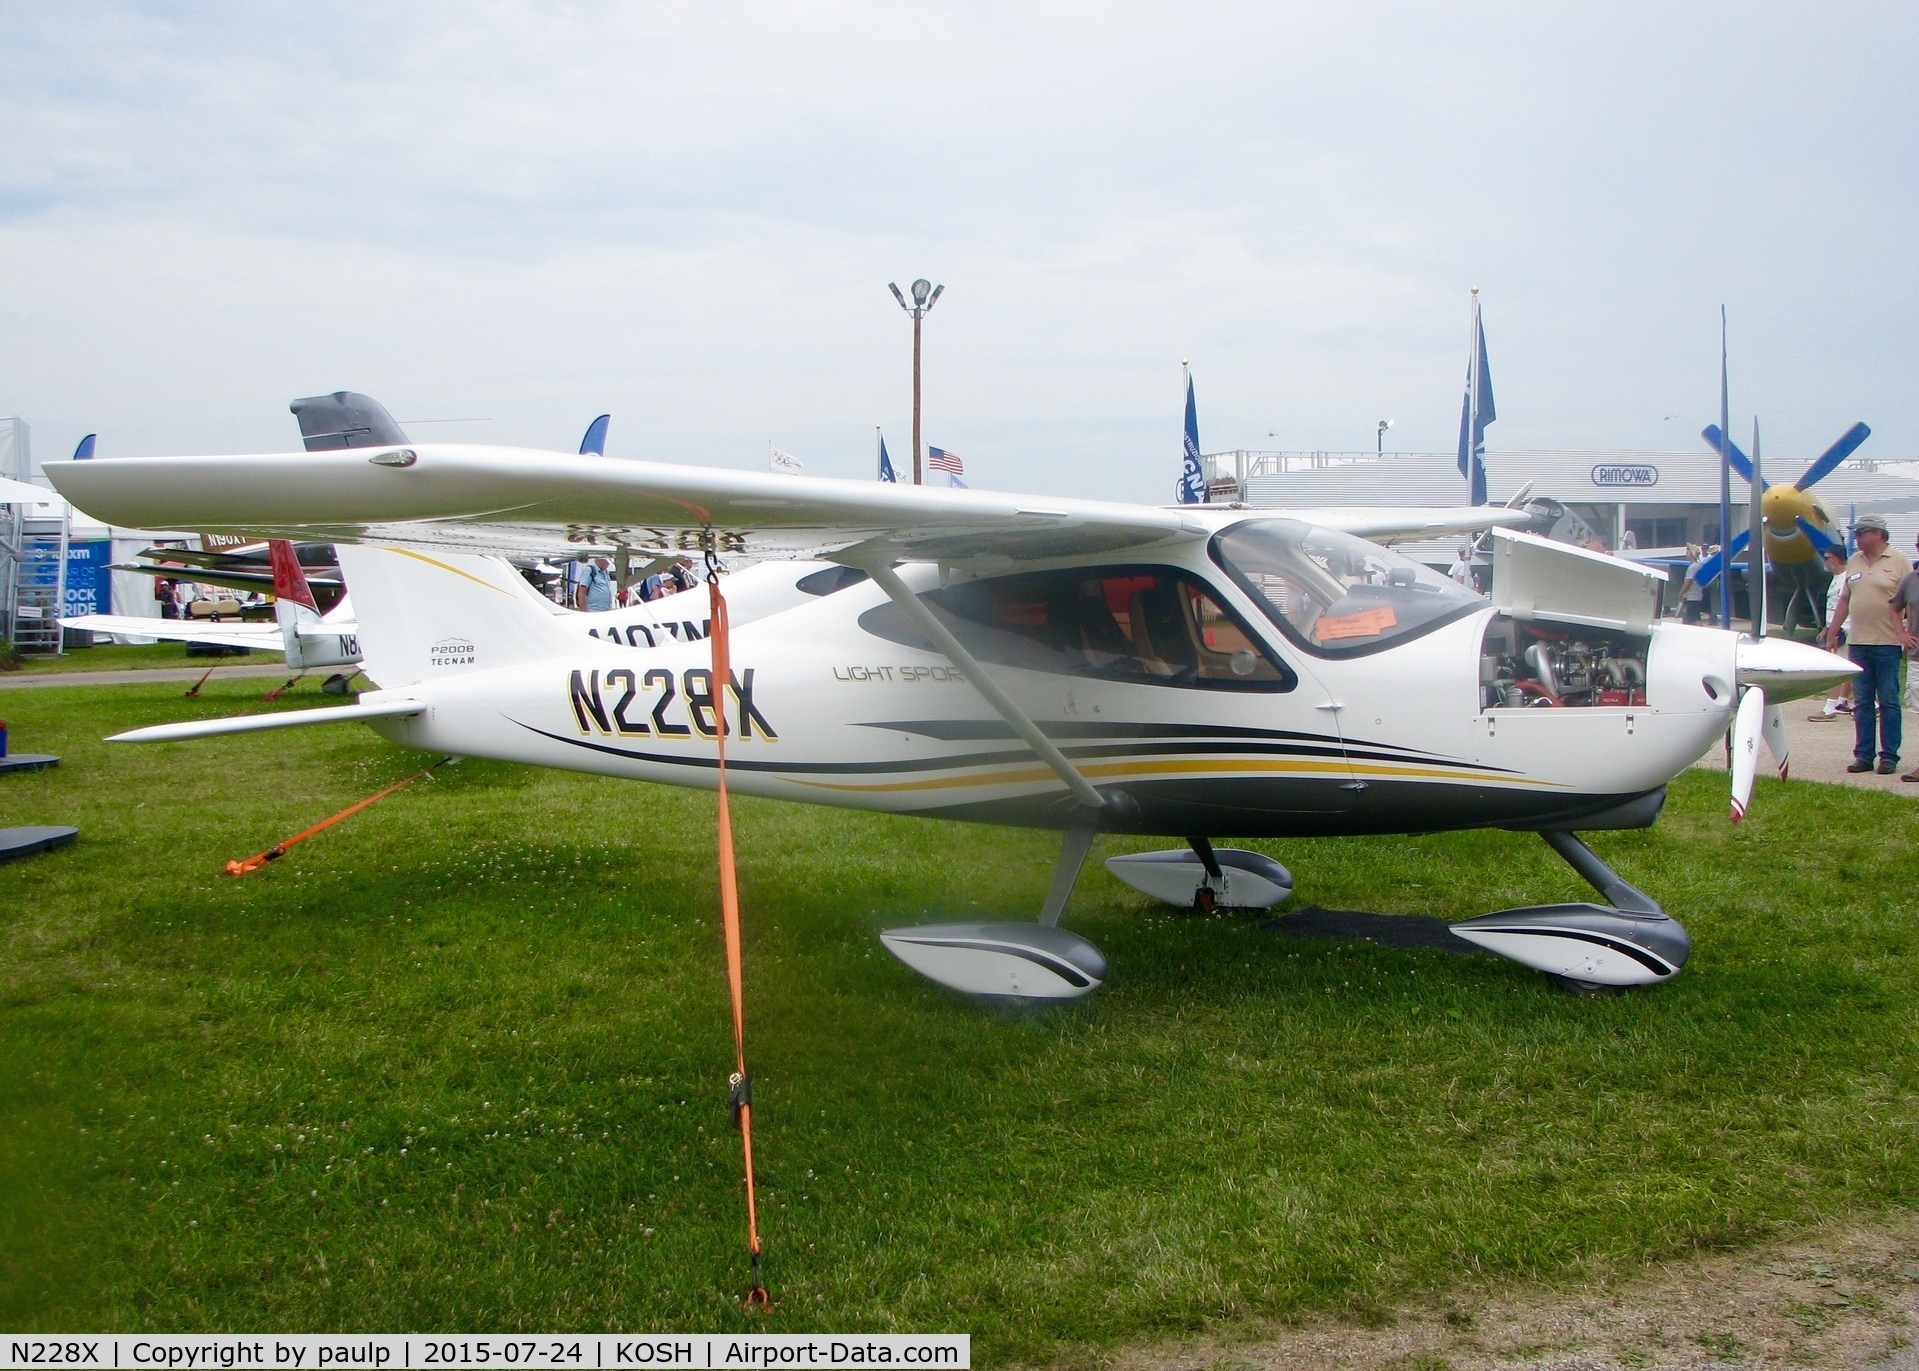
[
  {"x": 1820, "y": 752},
  {"x": 1840, "y": 1298}
]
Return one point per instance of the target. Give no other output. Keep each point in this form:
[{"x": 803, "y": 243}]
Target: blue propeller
[
  {"x": 1828, "y": 461},
  {"x": 1818, "y": 537},
  {"x": 1713, "y": 565}
]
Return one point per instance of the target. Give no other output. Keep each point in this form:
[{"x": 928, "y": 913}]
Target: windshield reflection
[{"x": 1333, "y": 594}]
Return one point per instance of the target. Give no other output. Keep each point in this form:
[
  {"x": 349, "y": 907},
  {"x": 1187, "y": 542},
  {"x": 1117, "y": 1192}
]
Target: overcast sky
[{"x": 687, "y": 214}]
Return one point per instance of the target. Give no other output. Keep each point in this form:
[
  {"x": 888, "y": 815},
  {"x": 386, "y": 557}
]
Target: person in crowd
[
  {"x": 684, "y": 576},
  {"x": 1906, "y": 601},
  {"x": 1462, "y": 568},
  {"x": 1839, "y": 698},
  {"x": 1692, "y": 595},
  {"x": 594, "y": 590},
  {"x": 163, "y": 593},
  {"x": 1874, "y": 640}
]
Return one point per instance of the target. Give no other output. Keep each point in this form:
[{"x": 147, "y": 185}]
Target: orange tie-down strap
[
  {"x": 740, "y": 1083},
  {"x": 254, "y": 863}
]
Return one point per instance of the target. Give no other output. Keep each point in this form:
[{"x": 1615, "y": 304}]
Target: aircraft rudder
[{"x": 425, "y": 615}]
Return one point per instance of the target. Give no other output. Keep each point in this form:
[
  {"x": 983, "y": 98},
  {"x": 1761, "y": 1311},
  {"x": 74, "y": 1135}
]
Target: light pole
[
  {"x": 1384, "y": 424},
  {"x": 925, "y": 293}
]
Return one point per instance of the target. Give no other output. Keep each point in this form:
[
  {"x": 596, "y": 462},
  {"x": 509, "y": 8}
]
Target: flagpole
[
  {"x": 1756, "y": 541},
  {"x": 1725, "y": 485},
  {"x": 1472, "y": 390}
]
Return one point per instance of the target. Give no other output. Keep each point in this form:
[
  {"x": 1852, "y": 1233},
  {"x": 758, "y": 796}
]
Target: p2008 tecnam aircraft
[{"x": 1076, "y": 665}]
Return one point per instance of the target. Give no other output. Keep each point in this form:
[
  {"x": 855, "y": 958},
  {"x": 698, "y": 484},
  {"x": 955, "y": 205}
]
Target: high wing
[
  {"x": 519, "y": 501},
  {"x": 1412, "y": 523}
]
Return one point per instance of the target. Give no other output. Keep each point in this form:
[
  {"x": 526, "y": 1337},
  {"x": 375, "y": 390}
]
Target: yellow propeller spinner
[{"x": 1783, "y": 506}]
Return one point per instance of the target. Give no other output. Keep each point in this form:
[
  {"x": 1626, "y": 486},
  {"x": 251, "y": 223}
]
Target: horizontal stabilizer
[
  {"x": 253, "y": 723},
  {"x": 252, "y": 637}
]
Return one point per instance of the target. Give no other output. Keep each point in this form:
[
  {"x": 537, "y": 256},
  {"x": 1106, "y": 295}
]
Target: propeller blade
[
  {"x": 1776, "y": 742},
  {"x": 1741, "y": 466},
  {"x": 1834, "y": 455},
  {"x": 1716, "y": 563},
  {"x": 1747, "y": 725},
  {"x": 1817, "y": 536}
]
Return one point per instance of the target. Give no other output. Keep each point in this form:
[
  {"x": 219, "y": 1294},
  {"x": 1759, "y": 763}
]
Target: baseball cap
[{"x": 1871, "y": 521}]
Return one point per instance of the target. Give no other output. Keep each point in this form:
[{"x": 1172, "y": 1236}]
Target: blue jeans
[{"x": 1875, "y": 700}]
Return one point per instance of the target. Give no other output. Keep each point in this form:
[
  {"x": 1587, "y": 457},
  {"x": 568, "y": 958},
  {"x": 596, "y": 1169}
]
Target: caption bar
[{"x": 319, "y": 1352}]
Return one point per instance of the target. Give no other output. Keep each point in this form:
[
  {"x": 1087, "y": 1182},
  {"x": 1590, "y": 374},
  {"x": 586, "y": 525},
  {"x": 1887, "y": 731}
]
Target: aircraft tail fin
[
  {"x": 422, "y": 617},
  {"x": 289, "y": 581},
  {"x": 595, "y": 440},
  {"x": 345, "y": 419}
]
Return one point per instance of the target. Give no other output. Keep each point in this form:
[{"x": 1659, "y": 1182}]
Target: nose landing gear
[{"x": 1588, "y": 948}]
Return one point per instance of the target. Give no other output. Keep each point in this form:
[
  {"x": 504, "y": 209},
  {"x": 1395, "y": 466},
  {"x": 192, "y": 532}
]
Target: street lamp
[
  {"x": 925, "y": 295},
  {"x": 1384, "y": 424}
]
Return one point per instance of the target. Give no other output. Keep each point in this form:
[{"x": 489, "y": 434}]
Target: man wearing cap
[{"x": 1875, "y": 640}]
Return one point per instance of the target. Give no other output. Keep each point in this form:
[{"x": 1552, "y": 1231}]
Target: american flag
[{"x": 940, "y": 459}]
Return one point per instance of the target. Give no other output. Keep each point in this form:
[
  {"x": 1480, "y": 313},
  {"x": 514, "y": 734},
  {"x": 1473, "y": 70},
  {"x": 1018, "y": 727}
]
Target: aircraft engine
[{"x": 1527, "y": 665}]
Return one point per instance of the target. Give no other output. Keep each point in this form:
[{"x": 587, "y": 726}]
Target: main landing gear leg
[
  {"x": 1036, "y": 961},
  {"x": 1588, "y": 948},
  {"x": 1205, "y": 898},
  {"x": 1072, "y": 856}
]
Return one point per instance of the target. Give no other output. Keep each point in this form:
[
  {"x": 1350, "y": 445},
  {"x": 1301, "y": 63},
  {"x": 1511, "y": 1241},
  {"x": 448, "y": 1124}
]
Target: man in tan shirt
[{"x": 1875, "y": 640}]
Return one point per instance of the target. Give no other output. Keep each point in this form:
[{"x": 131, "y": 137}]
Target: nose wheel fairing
[
  {"x": 1629, "y": 942},
  {"x": 1585, "y": 943}
]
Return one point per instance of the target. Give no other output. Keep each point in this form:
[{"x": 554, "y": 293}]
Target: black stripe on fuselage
[
  {"x": 994, "y": 730},
  {"x": 961, "y": 761}
]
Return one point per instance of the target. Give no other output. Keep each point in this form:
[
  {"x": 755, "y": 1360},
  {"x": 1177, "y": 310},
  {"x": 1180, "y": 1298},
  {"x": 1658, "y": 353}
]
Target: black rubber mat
[
  {"x": 26, "y": 761},
  {"x": 1412, "y": 931},
  {"x": 25, "y": 842}
]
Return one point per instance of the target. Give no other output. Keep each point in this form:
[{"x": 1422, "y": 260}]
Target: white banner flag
[{"x": 785, "y": 462}]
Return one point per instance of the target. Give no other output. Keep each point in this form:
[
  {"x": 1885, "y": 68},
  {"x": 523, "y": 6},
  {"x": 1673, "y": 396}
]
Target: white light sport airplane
[{"x": 1078, "y": 665}]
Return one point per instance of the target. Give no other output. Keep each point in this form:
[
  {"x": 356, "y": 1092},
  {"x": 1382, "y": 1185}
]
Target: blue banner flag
[
  {"x": 886, "y": 464},
  {"x": 1192, "y": 476},
  {"x": 1476, "y": 412}
]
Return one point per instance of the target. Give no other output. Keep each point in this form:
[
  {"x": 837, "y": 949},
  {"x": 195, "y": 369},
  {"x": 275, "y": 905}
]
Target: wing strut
[{"x": 924, "y": 619}]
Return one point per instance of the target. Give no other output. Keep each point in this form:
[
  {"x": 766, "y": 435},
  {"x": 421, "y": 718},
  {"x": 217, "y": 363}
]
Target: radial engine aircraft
[{"x": 1076, "y": 665}]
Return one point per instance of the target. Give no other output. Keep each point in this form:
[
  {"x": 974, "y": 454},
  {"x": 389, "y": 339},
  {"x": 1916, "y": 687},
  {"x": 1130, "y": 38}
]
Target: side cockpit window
[{"x": 1148, "y": 625}]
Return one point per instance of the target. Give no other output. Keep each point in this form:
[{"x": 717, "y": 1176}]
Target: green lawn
[
  {"x": 460, "y": 1063},
  {"x": 107, "y": 656}
]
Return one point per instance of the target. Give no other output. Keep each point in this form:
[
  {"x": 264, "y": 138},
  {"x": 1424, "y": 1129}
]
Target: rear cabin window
[{"x": 1147, "y": 625}]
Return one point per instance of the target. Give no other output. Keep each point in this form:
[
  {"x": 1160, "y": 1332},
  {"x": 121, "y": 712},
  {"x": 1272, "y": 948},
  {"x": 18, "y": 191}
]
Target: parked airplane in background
[{"x": 307, "y": 637}]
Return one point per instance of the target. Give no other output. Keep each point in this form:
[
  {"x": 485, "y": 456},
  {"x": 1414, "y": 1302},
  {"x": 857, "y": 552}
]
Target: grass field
[
  {"x": 460, "y": 1063},
  {"x": 106, "y": 656}
]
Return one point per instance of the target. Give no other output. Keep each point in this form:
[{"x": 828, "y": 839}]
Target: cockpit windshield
[{"x": 1334, "y": 594}]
